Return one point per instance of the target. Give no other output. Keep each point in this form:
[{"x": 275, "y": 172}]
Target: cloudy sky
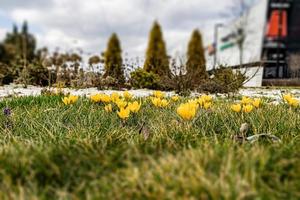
[{"x": 87, "y": 24}]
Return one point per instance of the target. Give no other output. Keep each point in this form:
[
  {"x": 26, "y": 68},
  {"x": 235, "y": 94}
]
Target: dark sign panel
[
  {"x": 281, "y": 51},
  {"x": 293, "y": 41}
]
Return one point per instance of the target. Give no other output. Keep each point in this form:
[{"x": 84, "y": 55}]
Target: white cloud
[
  {"x": 90, "y": 22},
  {"x": 60, "y": 39},
  {"x": 2, "y": 33}
]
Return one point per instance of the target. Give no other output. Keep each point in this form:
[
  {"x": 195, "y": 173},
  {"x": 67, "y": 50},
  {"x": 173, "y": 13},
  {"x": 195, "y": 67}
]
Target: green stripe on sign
[{"x": 226, "y": 46}]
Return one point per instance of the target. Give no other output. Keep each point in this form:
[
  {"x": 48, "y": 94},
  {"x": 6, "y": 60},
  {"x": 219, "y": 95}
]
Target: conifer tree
[
  {"x": 156, "y": 56},
  {"x": 195, "y": 65},
  {"x": 28, "y": 42},
  {"x": 25, "y": 28},
  {"x": 113, "y": 59},
  {"x": 19, "y": 43},
  {"x": 18, "y": 50}
]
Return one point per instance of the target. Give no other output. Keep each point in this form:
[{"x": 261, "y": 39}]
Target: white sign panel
[
  {"x": 244, "y": 36},
  {"x": 241, "y": 42}
]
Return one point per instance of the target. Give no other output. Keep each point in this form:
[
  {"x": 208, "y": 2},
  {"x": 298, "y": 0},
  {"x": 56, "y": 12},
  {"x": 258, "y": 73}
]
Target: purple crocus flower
[{"x": 7, "y": 111}]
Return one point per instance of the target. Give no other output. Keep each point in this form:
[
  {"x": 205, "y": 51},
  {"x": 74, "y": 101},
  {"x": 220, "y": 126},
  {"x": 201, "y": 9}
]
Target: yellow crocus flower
[
  {"x": 293, "y": 102},
  {"x": 114, "y": 96},
  {"x": 194, "y": 103},
  {"x": 247, "y": 108},
  {"x": 158, "y": 94},
  {"x": 123, "y": 113},
  {"x": 246, "y": 100},
  {"x": 105, "y": 98},
  {"x": 70, "y": 99},
  {"x": 186, "y": 111},
  {"x": 175, "y": 98},
  {"x": 287, "y": 97},
  {"x": 73, "y": 98},
  {"x": 127, "y": 95},
  {"x": 96, "y": 98},
  {"x": 236, "y": 107},
  {"x": 201, "y": 101},
  {"x": 134, "y": 107},
  {"x": 206, "y": 98},
  {"x": 121, "y": 104},
  {"x": 207, "y": 105},
  {"x": 157, "y": 102},
  {"x": 164, "y": 103},
  {"x": 66, "y": 100},
  {"x": 256, "y": 103}
]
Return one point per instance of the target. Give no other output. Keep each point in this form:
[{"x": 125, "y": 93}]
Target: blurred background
[
  {"x": 258, "y": 37},
  {"x": 70, "y": 24}
]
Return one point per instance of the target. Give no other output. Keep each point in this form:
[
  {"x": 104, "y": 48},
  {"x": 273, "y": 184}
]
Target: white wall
[{"x": 255, "y": 73}]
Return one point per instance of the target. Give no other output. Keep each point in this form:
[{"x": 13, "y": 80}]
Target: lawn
[{"x": 81, "y": 150}]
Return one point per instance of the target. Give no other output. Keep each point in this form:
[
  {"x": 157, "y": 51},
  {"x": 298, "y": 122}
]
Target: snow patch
[{"x": 18, "y": 90}]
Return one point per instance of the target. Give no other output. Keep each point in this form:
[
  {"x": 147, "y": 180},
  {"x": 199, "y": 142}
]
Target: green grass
[{"x": 53, "y": 151}]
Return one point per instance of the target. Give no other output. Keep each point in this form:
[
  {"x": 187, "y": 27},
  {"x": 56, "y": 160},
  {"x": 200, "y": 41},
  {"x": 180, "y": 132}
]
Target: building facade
[
  {"x": 264, "y": 43},
  {"x": 281, "y": 47}
]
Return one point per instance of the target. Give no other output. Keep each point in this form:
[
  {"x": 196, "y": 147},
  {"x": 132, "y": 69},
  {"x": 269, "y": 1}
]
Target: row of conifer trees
[
  {"x": 20, "y": 60},
  {"x": 157, "y": 60}
]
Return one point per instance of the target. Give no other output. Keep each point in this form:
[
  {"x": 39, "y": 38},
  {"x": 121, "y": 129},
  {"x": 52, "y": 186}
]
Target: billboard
[
  {"x": 241, "y": 41},
  {"x": 268, "y": 35}
]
